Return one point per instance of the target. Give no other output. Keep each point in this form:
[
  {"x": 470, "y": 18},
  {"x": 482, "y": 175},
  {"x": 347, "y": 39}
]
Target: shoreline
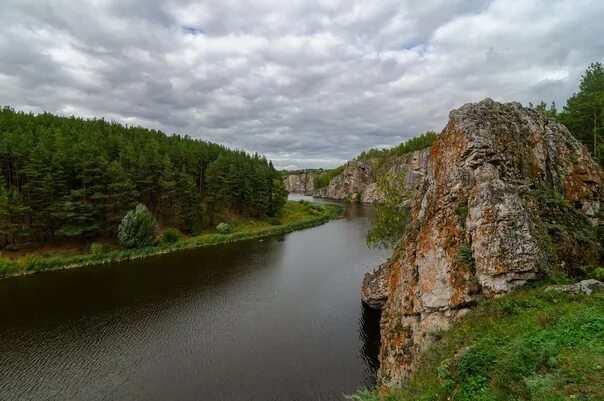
[{"x": 61, "y": 262}]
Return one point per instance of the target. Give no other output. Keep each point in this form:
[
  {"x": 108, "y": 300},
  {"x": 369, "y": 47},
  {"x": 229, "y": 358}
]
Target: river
[{"x": 273, "y": 319}]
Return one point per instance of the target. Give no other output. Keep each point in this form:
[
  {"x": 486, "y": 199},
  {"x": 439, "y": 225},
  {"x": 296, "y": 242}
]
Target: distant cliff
[
  {"x": 358, "y": 180},
  {"x": 503, "y": 196},
  {"x": 302, "y": 183}
]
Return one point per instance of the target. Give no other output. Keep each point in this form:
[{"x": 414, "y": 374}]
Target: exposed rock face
[
  {"x": 300, "y": 183},
  {"x": 351, "y": 183},
  {"x": 374, "y": 292},
  {"x": 582, "y": 287},
  {"x": 358, "y": 180},
  {"x": 497, "y": 179}
]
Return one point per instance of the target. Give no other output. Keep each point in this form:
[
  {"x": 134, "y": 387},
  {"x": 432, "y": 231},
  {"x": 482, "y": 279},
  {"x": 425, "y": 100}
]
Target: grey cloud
[{"x": 309, "y": 83}]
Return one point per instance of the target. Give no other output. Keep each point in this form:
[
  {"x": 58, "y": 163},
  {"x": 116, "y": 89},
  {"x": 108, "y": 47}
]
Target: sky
[{"x": 307, "y": 83}]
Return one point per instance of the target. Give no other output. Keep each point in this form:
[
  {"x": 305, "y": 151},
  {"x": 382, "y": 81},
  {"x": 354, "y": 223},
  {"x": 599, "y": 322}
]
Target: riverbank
[{"x": 294, "y": 216}]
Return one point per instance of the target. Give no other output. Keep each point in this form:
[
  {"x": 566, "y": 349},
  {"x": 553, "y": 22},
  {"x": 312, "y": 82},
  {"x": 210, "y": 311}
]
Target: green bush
[
  {"x": 96, "y": 248},
  {"x": 138, "y": 228},
  {"x": 393, "y": 214},
  {"x": 598, "y": 273},
  {"x": 170, "y": 236},
  {"x": 465, "y": 256},
  {"x": 224, "y": 228}
]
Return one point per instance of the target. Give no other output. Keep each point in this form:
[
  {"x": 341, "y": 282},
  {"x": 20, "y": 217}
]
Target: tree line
[{"x": 72, "y": 178}]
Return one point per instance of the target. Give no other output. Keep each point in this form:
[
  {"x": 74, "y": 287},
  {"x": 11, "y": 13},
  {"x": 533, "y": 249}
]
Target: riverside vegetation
[
  {"x": 292, "y": 216},
  {"x": 70, "y": 180},
  {"x": 68, "y": 184}
]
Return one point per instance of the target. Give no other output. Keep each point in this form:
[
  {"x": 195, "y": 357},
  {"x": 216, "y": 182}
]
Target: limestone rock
[
  {"x": 358, "y": 180},
  {"x": 374, "y": 292},
  {"x": 582, "y": 287},
  {"x": 497, "y": 181},
  {"x": 351, "y": 183},
  {"x": 300, "y": 183}
]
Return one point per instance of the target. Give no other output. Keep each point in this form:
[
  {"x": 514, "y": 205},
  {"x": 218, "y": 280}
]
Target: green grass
[
  {"x": 294, "y": 216},
  {"x": 530, "y": 345}
]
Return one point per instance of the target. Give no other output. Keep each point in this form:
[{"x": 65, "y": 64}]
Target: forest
[{"x": 67, "y": 178}]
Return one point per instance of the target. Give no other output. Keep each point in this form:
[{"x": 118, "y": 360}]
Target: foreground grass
[
  {"x": 294, "y": 216},
  {"x": 531, "y": 345}
]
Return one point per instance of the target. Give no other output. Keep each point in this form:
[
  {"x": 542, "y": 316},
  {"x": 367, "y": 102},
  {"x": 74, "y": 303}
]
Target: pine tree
[{"x": 584, "y": 111}]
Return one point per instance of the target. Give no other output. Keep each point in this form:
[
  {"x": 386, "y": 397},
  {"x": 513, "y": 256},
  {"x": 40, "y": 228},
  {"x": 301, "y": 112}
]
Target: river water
[{"x": 272, "y": 319}]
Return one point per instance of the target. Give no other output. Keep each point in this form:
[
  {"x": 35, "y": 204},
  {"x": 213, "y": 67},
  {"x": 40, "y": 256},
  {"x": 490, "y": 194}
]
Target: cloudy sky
[{"x": 308, "y": 83}]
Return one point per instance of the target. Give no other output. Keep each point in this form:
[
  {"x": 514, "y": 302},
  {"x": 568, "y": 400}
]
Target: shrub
[
  {"x": 465, "y": 256},
  {"x": 598, "y": 273},
  {"x": 393, "y": 215},
  {"x": 96, "y": 248},
  {"x": 138, "y": 228},
  {"x": 171, "y": 236},
  {"x": 224, "y": 228}
]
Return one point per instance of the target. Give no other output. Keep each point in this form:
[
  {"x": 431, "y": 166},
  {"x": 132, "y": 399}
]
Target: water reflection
[{"x": 369, "y": 333}]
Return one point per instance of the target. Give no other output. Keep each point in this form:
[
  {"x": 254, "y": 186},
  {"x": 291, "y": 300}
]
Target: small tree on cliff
[
  {"x": 393, "y": 214},
  {"x": 138, "y": 228}
]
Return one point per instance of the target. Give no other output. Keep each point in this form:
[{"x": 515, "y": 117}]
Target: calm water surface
[{"x": 273, "y": 319}]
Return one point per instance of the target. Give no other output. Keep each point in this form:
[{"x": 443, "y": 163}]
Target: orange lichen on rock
[{"x": 476, "y": 223}]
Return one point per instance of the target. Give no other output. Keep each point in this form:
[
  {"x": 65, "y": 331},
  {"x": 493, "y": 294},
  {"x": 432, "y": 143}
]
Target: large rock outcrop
[
  {"x": 358, "y": 180},
  {"x": 374, "y": 291},
  {"x": 303, "y": 183},
  {"x": 350, "y": 183},
  {"x": 507, "y": 196}
]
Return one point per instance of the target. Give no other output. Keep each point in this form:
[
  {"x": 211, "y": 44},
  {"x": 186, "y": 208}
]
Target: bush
[
  {"x": 224, "y": 228},
  {"x": 96, "y": 248},
  {"x": 171, "y": 236},
  {"x": 138, "y": 228},
  {"x": 598, "y": 273},
  {"x": 393, "y": 215},
  {"x": 465, "y": 256}
]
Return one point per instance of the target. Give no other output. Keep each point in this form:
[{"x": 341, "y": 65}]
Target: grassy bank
[
  {"x": 294, "y": 216},
  {"x": 531, "y": 345}
]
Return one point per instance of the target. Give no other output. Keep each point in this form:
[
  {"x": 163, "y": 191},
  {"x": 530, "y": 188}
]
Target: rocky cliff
[
  {"x": 506, "y": 196},
  {"x": 303, "y": 183},
  {"x": 358, "y": 180}
]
